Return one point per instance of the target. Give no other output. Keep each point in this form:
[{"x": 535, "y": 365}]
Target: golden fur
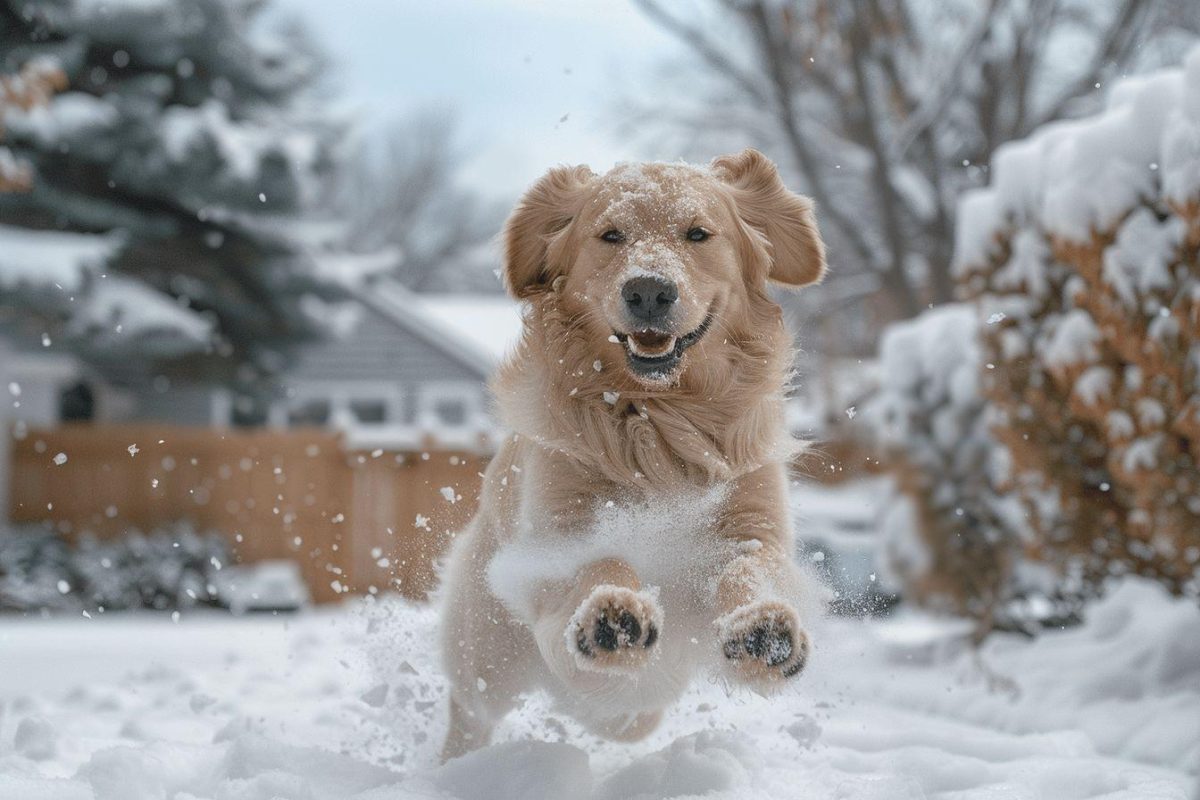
[{"x": 590, "y": 432}]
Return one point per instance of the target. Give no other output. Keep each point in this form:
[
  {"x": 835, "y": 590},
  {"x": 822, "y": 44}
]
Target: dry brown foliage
[
  {"x": 33, "y": 86},
  {"x": 1096, "y": 381}
]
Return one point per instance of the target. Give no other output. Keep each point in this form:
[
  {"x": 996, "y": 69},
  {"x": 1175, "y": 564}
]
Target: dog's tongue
[{"x": 652, "y": 341}]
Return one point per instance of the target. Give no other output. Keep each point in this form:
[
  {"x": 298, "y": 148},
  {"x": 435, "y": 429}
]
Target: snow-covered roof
[
  {"x": 409, "y": 336},
  {"x": 490, "y": 322}
]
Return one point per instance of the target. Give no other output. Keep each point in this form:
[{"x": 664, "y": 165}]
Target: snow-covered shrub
[
  {"x": 955, "y": 539},
  {"x": 954, "y": 547},
  {"x": 1083, "y": 258},
  {"x": 167, "y": 569}
]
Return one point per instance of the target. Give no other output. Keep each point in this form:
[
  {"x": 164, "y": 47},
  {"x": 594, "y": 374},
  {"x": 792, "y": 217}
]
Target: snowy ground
[{"x": 347, "y": 703}]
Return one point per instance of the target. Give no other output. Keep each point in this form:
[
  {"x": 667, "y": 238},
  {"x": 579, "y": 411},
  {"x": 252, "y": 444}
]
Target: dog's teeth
[{"x": 667, "y": 347}]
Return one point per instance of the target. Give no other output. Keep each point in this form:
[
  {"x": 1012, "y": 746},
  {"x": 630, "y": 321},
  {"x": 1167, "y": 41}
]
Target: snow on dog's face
[{"x": 658, "y": 263}]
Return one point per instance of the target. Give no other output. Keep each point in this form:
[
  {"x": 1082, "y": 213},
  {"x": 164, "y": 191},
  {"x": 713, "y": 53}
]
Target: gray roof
[{"x": 396, "y": 339}]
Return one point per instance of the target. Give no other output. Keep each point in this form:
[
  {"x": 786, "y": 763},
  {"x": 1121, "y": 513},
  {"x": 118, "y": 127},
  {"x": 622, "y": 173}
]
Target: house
[
  {"x": 403, "y": 370},
  {"x": 398, "y": 368}
]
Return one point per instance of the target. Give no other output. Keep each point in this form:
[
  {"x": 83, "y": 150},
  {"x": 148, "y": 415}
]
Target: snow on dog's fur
[{"x": 634, "y": 527}]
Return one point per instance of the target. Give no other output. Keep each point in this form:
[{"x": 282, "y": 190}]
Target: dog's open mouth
[{"x": 656, "y": 354}]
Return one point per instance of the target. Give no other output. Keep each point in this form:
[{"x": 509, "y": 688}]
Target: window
[
  {"x": 451, "y": 411},
  {"x": 77, "y": 403},
  {"x": 249, "y": 411},
  {"x": 449, "y": 404},
  {"x": 369, "y": 412},
  {"x": 313, "y": 411}
]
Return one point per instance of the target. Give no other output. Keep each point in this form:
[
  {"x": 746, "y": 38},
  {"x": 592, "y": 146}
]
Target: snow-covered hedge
[
  {"x": 167, "y": 569},
  {"x": 1083, "y": 257}
]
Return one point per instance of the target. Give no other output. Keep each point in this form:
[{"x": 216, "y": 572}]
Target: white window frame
[
  {"x": 340, "y": 395},
  {"x": 469, "y": 393}
]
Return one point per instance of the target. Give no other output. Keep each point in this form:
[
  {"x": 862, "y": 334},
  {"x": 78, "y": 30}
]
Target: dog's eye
[
  {"x": 697, "y": 235},
  {"x": 614, "y": 236}
]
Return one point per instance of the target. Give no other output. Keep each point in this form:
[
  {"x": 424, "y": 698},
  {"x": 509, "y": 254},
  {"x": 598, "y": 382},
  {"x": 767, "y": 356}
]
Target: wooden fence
[{"x": 351, "y": 519}]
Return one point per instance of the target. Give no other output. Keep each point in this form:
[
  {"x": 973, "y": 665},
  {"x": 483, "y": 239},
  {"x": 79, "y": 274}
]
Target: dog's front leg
[
  {"x": 758, "y": 626},
  {"x": 601, "y": 622}
]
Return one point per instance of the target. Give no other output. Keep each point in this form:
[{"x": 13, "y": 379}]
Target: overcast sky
[{"x": 511, "y": 70}]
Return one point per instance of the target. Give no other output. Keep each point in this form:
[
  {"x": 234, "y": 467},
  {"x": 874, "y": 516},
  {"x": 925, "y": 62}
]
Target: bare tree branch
[
  {"x": 703, "y": 46},
  {"x": 403, "y": 194},
  {"x": 936, "y": 101},
  {"x": 1122, "y": 34},
  {"x": 804, "y": 157},
  {"x": 890, "y": 109}
]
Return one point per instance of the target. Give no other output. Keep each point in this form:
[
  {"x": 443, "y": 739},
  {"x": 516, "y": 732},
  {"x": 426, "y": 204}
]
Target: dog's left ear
[{"x": 781, "y": 217}]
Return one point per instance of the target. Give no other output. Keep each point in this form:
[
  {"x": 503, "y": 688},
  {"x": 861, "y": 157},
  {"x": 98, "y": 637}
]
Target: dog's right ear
[{"x": 543, "y": 213}]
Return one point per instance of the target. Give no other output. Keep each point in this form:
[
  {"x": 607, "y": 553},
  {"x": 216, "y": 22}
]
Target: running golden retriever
[{"x": 634, "y": 527}]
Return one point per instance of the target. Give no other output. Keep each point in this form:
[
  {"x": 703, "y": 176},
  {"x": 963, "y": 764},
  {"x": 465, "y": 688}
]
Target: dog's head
[{"x": 655, "y": 259}]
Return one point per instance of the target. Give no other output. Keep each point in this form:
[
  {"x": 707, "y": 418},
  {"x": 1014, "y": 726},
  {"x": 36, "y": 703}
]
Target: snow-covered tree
[
  {"x": 886, "y": 110},
  {"x": 171, "y": 181}
]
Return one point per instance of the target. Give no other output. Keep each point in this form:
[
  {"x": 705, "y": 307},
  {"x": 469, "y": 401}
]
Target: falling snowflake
[
  {"x": 60, "y": 459},
  {"x": 422, "y": 522},
  {"x": 133, "y": 450},
  {"x": 851, "y": 412},
  {"x": 448, "y": 493}
]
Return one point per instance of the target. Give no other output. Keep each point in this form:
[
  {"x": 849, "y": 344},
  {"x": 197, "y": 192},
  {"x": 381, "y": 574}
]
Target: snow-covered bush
[
  {"x": 166, "y": 569},
  {"x": 952, "y": 545},
  {"x": 1083, "y": 258}
]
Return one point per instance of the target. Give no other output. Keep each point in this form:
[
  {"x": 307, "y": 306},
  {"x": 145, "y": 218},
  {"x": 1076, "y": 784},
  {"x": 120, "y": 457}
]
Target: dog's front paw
[
  {"x": 763, "y": 643},
  {"x": 614, "y": 629}
]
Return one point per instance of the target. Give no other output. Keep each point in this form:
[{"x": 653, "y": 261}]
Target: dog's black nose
[{"x": 649, "y": 298}]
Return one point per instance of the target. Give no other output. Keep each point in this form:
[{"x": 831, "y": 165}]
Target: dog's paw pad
[
  {"x": 764, "y": 642},
  {"x": 614, "y": 628}
]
